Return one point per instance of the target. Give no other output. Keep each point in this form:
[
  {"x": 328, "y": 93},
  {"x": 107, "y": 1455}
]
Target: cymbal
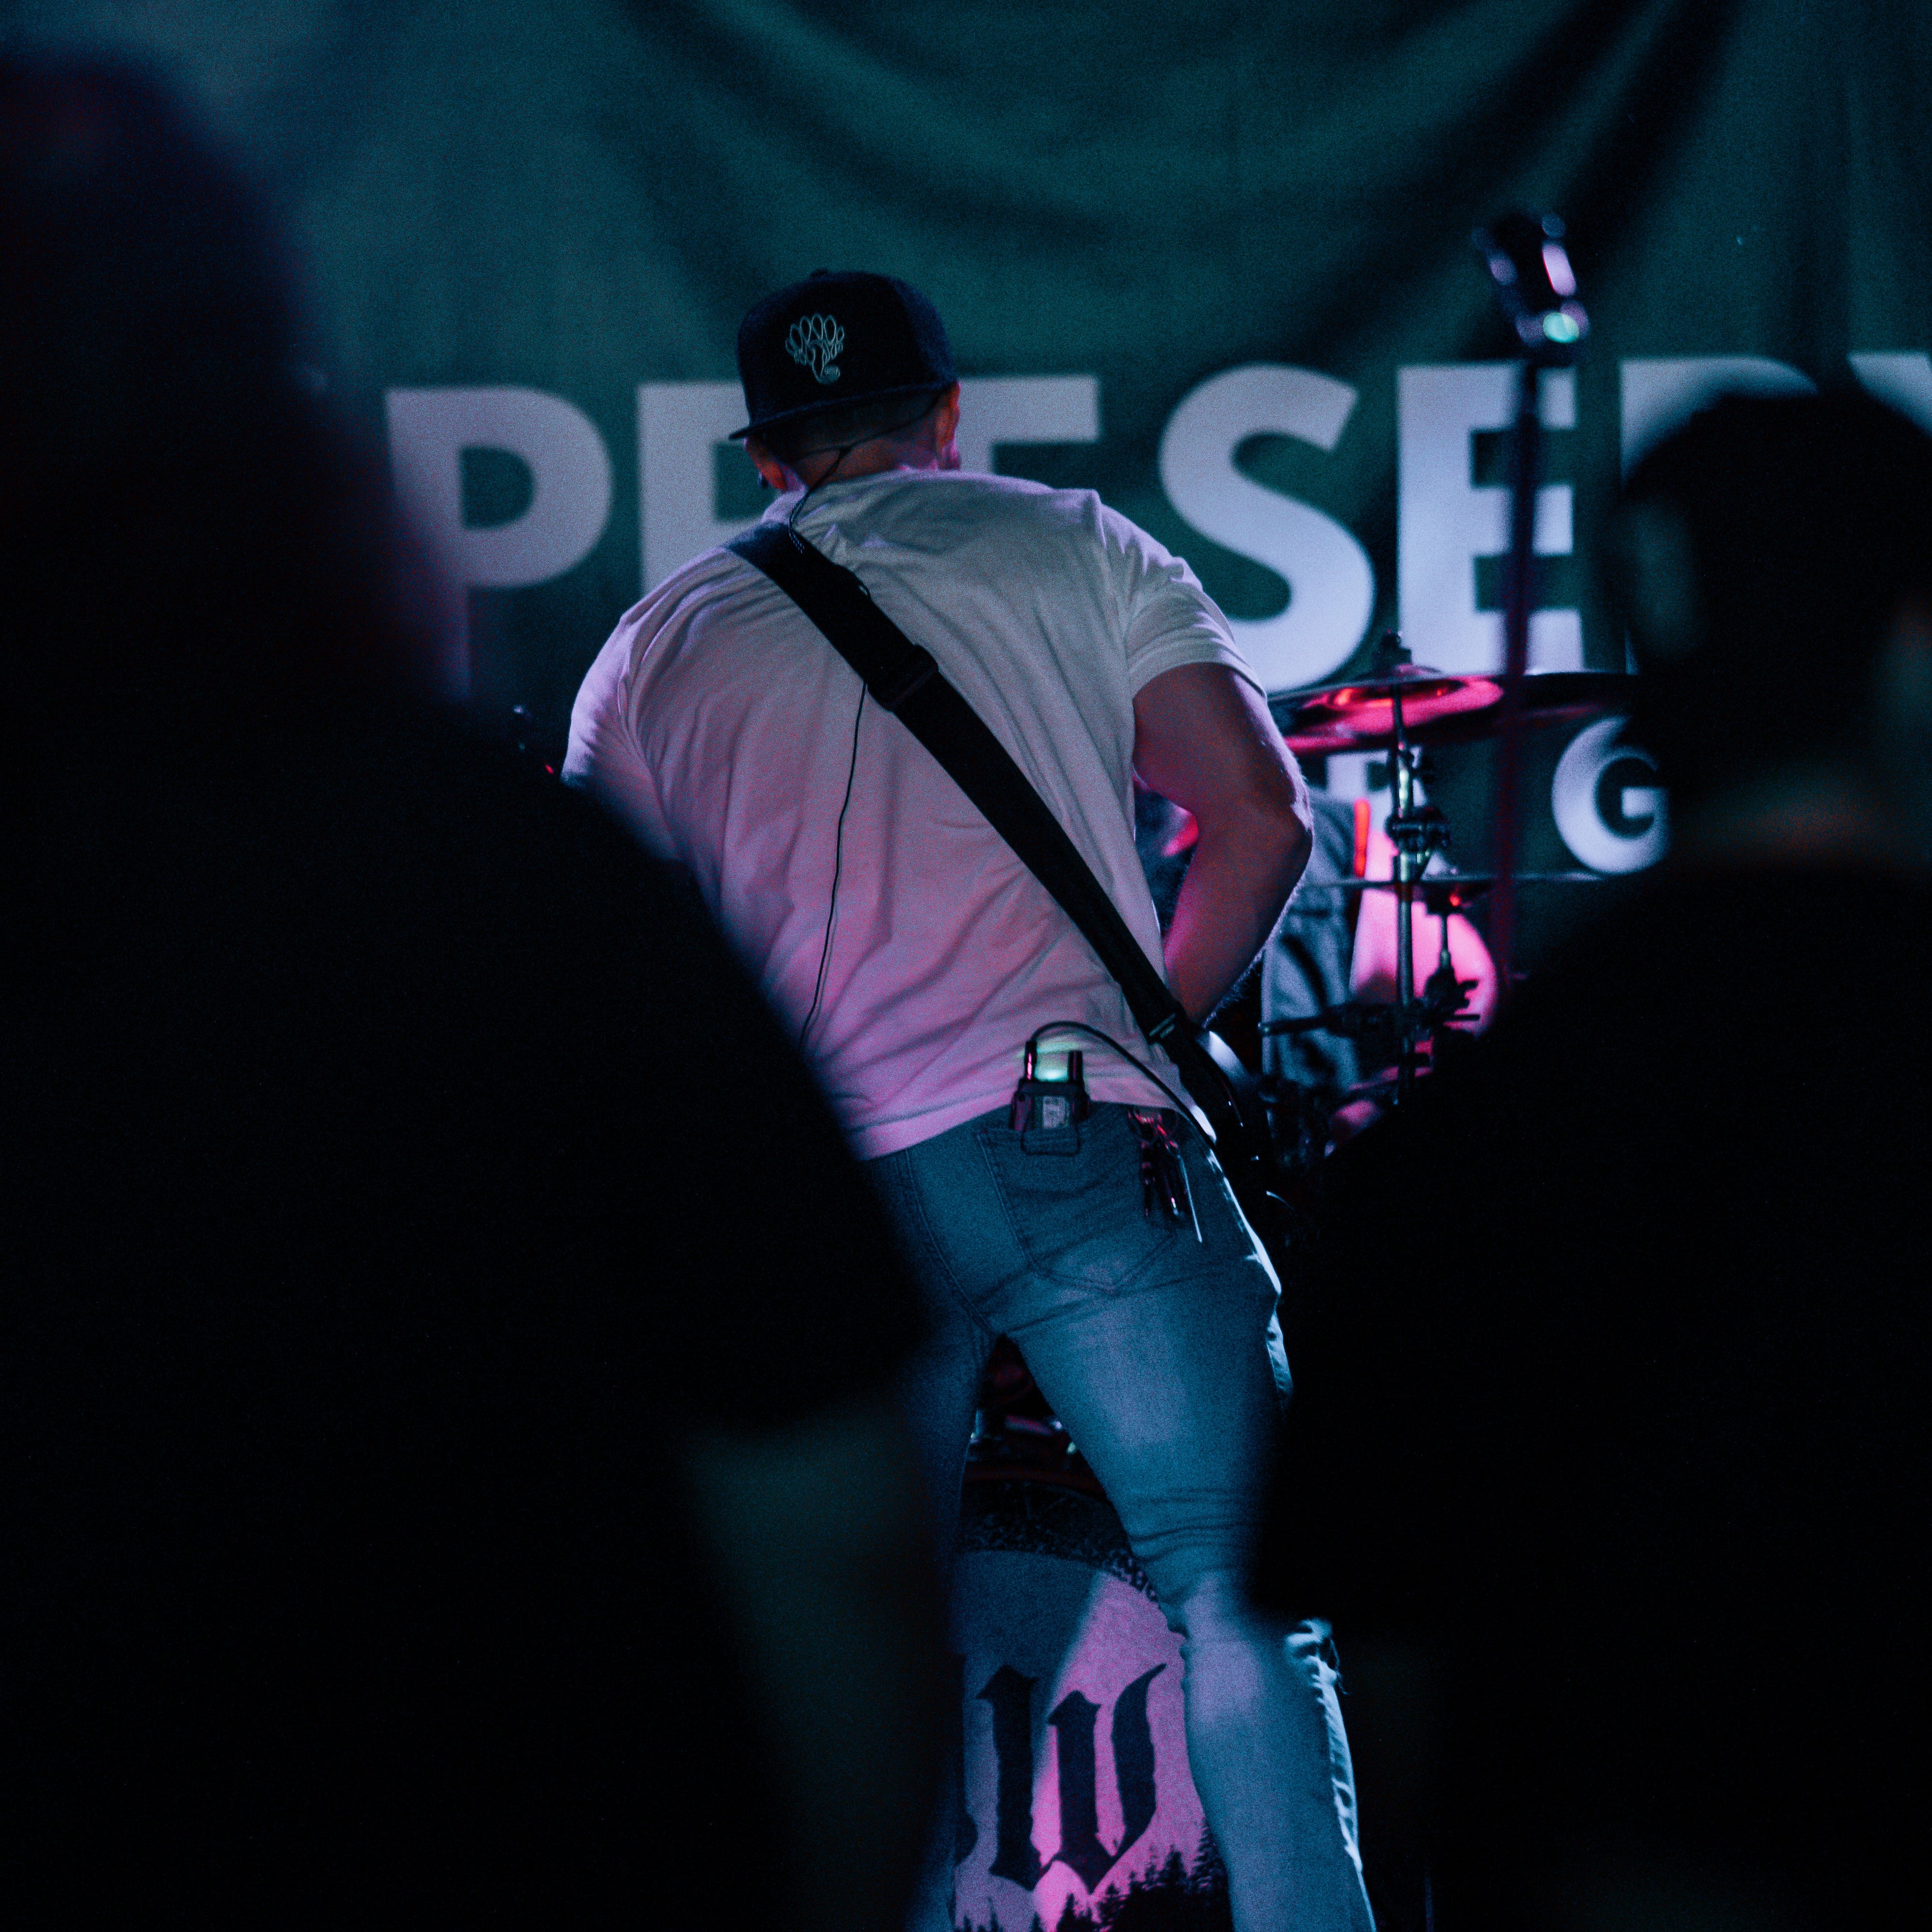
[
  {"x": 1438, "y": 707},
  {"x": 1359, "y": 715}
]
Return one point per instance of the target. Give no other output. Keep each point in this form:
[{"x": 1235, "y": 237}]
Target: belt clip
[{"x": 1045, "y": 1105}]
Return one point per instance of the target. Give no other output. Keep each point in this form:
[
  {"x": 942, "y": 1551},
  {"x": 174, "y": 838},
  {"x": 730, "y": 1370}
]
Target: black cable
[
  {"x": 798, "y": 508},
  {"x": 838, "y": 867},
  {"x": 838, "y": 459},
  {"x": 851, "y": 770}
]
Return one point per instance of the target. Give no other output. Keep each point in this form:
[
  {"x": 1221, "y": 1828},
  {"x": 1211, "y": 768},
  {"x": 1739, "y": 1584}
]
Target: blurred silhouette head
[
  {"x": 183, "y": 524},
  {"x": 1764, "y": 558}
]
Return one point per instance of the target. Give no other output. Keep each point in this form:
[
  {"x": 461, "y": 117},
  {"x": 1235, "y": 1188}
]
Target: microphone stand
[
  {"x": 1519, "y": 591},
  {"x": 1537, "y": 289}
]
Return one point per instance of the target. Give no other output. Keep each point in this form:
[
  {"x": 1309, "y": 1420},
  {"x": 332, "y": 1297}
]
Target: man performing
[{"x": 916, "y": 957}]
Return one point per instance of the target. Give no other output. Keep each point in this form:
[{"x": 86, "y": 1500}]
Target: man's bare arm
[{"x": 1204, "y": 738}]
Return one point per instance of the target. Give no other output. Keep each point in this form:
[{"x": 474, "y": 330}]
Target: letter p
[{"x": 570, "y": 494}]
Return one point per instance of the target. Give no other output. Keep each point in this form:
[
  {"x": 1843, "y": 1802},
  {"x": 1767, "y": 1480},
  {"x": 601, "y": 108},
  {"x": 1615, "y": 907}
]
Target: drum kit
[{"x": 1400, "y": 709}]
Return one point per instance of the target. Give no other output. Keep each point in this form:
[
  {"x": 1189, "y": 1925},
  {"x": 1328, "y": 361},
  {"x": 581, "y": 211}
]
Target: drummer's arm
[{"x": 1203, "y": 737}]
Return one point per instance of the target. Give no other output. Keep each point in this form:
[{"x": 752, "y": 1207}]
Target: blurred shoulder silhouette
[
  {"x": 1609, "y": 1426},
  {"x": 438, "y": 1491}
]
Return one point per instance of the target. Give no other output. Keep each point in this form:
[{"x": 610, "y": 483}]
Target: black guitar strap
[{"x": 902, "y": 676}]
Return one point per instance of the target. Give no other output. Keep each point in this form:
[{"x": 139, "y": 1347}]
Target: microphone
[{"x": 1535, "y": 285}]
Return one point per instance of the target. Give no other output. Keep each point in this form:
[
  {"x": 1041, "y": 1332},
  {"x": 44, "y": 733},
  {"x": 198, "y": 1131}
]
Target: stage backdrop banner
[{"x": 1213, "y": 261}]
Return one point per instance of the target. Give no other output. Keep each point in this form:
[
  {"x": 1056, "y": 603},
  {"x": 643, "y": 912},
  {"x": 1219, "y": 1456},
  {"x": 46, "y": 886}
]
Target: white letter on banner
[
  {"x": 994, "y": 409},
  {"x": 1634, "y": 832},
  {"x": 1331, "y": 585},
  {"x": 1659, "y": 393},
  {"x": 1447, "y": 521},
  {"x": 570, "y": 480},
  {"x": 680, "y": 425},
  {"x": 1905, "y": 382}
]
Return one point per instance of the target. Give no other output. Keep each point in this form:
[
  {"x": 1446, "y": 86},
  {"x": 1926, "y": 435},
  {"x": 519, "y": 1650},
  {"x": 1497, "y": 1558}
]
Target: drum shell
[{"x": 1074, "y": 1781}]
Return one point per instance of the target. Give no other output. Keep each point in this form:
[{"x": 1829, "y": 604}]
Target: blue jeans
[{"x": 1162, "y": 1354}]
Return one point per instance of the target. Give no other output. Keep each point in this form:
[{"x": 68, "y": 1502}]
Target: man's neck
[{"x": 865, "y": 459}]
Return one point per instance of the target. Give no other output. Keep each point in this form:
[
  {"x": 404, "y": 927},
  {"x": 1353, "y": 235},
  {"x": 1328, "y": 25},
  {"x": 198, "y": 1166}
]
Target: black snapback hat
[{"x": 835, "y": 340}]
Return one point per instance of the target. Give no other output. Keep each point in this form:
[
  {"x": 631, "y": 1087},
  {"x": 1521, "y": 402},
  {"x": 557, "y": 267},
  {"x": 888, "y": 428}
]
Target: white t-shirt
[{"x": 721, "y": 724}]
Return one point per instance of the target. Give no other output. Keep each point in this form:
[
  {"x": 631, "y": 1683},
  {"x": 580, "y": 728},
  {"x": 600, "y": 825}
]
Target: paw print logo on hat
[{"x": 814, "y": 342}]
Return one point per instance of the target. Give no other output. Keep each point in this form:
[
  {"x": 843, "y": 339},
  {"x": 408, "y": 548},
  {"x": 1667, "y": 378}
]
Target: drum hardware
[
  {"x": 1442, "y": 990},
  {"x": 1418, "y": 832},
  {"x": 1441, "y": 892},
  {"x": 1443, "y": 997},
  {"x": 1433, "y": 1011},
  {"x": 1397, "y": 707},
  {"x": 1015, "y": 1436},
  {"x": 1398, "y": 704},
  {"x": 1360, "y": 1019},
  {"x": 1051, "y": 1427},
  {"x": 1003, "y": 1444},
  {"x": 1380, "y": 1091}
]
